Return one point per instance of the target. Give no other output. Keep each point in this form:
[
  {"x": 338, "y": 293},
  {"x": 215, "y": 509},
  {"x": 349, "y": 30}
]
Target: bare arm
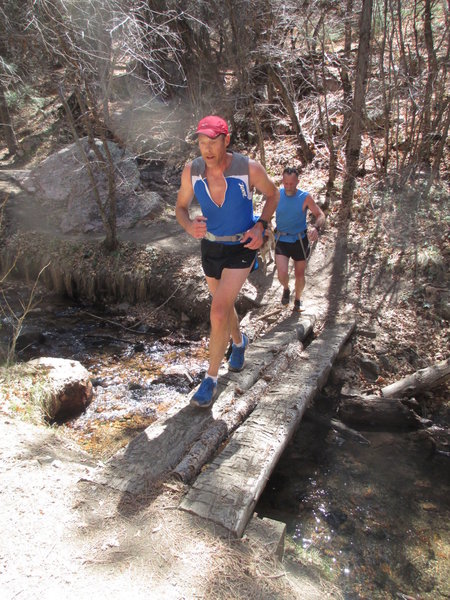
[
  {"x": 195, "y": 227},
  {"x": 319, "y": 216},
  {"x": 262, "y": 182}
]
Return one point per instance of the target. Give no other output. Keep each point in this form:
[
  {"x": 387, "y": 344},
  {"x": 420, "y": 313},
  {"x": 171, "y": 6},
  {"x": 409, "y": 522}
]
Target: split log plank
[
  {"x": 155, "y": 452},
  {"x": 239, "y": 409},
  {"x": 228, "y": 490},
  {"x": 419, "y": 381}
]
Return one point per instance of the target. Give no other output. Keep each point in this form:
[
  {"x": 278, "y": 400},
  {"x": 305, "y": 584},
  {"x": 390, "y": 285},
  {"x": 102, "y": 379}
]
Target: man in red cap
[{"x": 223, "y": 183}]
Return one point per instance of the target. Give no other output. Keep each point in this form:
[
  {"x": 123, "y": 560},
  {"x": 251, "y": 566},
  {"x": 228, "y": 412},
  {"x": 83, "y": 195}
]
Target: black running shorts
[
  {"x": 293, "y": 250},
  {"x": 217, "y": 256}
]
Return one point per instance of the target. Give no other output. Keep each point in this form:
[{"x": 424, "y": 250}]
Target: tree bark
[
  {"x": 345, "y": 67},
  {"x": 353, "y": 148},
  {"x": 420, "y": 381},
  {"x": 306, "y": 153},
  {"x": 425, "y": 146},
  {"x": 6, "y": 125}
]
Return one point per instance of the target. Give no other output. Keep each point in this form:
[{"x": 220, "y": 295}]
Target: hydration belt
[
  {"x": 300, "y": 236},
  {"x": 224, "y": 238}
]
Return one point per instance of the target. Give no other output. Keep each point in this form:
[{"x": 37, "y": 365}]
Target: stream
[
  {"x": 373, "y": 519},
  {"x": 138, "y": 370}
]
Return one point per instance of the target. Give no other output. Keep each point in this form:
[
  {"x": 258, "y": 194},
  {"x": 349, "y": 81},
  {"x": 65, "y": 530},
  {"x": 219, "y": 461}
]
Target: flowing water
[
  {"x": 137, "y": 372},
  {"x": 372, "y": 518}
]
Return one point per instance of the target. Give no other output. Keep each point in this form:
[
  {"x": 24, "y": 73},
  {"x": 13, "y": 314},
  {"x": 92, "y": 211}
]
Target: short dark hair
[{"x": 290, "y": 171}]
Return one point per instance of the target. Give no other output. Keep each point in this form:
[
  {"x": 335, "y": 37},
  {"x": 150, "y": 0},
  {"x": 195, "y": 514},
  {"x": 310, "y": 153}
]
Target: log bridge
[{"x": 252, "y": 420}]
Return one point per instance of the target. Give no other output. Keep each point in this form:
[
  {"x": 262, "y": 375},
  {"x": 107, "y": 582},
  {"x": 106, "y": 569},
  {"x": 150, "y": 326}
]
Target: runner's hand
[
  {"x": 313, "y": 234},
  {"x": 254, "y": 238},
  {"x": 197, "y": 227}
]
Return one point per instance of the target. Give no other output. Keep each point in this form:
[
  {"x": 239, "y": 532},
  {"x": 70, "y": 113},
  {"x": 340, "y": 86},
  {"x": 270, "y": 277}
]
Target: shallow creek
[
  {"x": 137, "y": 372},
  {"x": 372, "y": 518}
]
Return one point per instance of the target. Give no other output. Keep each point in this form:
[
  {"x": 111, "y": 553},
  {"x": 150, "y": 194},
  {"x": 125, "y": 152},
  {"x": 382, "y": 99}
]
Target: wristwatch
[{"x": 264, "y": 223}]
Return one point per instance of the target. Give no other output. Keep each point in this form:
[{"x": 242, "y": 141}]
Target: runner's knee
[{"x": 220, "y": 312}]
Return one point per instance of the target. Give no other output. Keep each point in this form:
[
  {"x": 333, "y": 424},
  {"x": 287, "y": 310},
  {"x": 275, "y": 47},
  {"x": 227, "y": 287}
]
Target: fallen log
[
  {"x": 381, "y": 413},
  {"x": 238, "y": 410},
  {"x": 419, "y": 381},
  {"x": 228, "y": 490},
  {"x": 155, "y": 452}
]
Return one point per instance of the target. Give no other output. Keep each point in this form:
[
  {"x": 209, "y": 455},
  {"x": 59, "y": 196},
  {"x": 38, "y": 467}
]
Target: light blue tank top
[
  {"x": 291, "y": 216},
  {"x": 236, "y": 213}
]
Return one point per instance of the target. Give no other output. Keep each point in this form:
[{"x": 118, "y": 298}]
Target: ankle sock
[{"x": 241, "y": 344}]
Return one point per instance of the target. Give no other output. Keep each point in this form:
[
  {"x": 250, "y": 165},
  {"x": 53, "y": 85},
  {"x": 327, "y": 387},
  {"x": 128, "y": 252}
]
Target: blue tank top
[
  {"x": 290, "y": 215},
  {"x": 236, "y": 213}
]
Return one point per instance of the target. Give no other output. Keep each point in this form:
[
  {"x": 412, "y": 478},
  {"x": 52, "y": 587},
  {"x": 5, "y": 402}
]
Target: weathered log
[
  {"x": 228, "y": 490},
  {"x": 155, "y": 452},
  {"x": 238, "y": 411},
  {"x": 419, "y": 381},
  {"x": 382, "y": 413}
]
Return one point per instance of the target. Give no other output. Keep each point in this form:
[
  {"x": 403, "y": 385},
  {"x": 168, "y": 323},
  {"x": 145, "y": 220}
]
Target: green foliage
[
  {"x": 24, "y": 392},
  {"x": 22, "y": 96}
]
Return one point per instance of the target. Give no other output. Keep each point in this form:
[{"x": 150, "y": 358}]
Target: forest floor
[{"x": 61, "y": 534}]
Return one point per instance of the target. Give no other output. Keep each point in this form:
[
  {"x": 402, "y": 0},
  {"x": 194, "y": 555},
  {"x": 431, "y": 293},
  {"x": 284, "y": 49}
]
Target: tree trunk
[
  {"x": 6, "y": 127},
  {"x": 425, "y": 146},
  {"x": 259, "y": 133},
  {"x": 345, "y": 67},
  {"x": 421, "y": 381},
  {"x": 305, "y": 151},
  {"x": 353, "y": 147},
  {"x": 380, "y": 413}
]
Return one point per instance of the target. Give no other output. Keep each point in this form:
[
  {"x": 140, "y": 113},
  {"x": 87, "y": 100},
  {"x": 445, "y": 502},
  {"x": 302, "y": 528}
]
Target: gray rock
[
  {"x": 67, "y": 383},
  {"x": 64, "y": 193}
]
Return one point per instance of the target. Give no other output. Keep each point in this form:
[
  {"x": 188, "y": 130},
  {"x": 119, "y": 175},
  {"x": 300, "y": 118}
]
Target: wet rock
[
  {"x": 176, "y": 376},
  {"x": 335, "y": 518},
  {"x": 68, "y": 389}
]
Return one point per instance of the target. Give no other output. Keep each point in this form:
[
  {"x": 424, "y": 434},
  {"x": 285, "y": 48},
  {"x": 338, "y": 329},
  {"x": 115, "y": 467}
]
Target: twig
[
  {"x": 270, "y": 314},
  {"x": 132, "y": 329}
]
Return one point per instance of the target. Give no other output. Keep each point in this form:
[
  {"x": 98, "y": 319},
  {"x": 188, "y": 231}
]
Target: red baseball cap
[{"x": 212, "y": 126}]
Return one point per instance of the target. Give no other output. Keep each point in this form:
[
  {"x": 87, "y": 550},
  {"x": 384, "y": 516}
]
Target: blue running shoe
[
  {"x": 236, "y": 362},
  {"x": 203, "y": 397}
]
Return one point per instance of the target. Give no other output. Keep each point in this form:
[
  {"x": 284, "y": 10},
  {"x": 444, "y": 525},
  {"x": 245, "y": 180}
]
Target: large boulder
[
  {"x": 68, "y": 389},
  {"x": 64, "y": 195}
]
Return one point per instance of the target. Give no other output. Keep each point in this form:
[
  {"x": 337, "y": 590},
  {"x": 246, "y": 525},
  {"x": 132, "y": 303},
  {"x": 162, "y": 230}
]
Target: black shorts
[
  {"x": 293, "y": 250},
  {"x": 217, "y": 256}
]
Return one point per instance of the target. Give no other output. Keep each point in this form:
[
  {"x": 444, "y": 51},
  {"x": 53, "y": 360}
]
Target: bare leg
[
  {"x": 282, "y": 263},
  {"x": 224, "y": 319},
  {"x": 299, "y": 269}
]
